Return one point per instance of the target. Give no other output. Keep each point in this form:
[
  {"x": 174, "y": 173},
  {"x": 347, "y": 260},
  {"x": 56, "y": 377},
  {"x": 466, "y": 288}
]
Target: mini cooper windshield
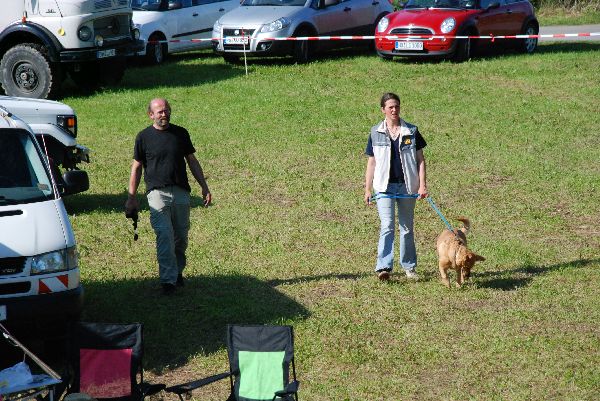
[
  {"x": 441, "y": 4},
  {"x": 284, "y": 3}
]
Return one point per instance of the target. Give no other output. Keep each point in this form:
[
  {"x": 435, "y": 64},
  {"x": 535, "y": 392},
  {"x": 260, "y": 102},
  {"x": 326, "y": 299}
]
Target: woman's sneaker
[{"x": 411, "y": 274}]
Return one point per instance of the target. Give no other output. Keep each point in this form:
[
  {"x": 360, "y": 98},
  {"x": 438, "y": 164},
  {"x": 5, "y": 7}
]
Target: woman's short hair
[{"x": 387, "y": 96}]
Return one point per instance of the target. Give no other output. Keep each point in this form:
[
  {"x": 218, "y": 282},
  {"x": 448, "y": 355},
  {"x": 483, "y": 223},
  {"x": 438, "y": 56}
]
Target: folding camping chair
[
  {"x": 259, "y": 361},
  {"x": 106, "y": 362}
]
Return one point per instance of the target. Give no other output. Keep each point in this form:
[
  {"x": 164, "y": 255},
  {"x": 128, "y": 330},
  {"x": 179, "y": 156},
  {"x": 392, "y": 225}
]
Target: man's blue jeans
[
  {"x": 170, "y": 219},
  {"x": 387, "y": 210}
]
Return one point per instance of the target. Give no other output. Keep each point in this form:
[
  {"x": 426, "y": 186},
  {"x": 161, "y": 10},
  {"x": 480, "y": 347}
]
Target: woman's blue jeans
[{"x": 387, "y": 210}]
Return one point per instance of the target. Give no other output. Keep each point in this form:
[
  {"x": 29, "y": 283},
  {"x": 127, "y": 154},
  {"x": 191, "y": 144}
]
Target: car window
[
  {"x": 273, "y": 3},
  {"x": 487, "y": 3},
  {"x": 440, "y": 4},
  {"x": 23, "y": 176},
  {"x": 159, "y": 5}
]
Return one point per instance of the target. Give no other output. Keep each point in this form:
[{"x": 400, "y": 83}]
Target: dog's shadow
[{"x": 509, "y": 280}]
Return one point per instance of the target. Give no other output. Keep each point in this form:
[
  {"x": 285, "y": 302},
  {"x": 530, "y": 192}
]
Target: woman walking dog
[{"x": 395, "y": 169}]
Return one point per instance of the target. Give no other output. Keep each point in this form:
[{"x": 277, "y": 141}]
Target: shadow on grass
[
  {"x": 192, "y": 321},
  {"x": 306, "y": 279},
  {"x": 86, "y": 203},
  {"x": 172, "y": 74},
  {"x": 524, "y": 275}
]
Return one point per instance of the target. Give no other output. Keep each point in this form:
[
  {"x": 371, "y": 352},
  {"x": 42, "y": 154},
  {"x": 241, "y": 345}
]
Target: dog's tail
[{"x": 466, "y": 224}]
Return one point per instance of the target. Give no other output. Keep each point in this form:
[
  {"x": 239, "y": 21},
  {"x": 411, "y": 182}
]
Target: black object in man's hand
[{"x": 133, "y": 215}]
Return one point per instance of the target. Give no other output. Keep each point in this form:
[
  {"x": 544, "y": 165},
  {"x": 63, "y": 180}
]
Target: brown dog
[{"x": 453, "y": 253}]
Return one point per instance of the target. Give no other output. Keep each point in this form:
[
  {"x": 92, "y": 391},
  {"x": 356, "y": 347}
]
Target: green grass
[
  {"x": 581, "y": 15},
  {"x": 512, "y": 144}
]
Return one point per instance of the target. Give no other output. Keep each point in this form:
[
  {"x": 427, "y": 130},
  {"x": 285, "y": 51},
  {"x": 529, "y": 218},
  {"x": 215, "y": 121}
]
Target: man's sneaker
[
  {"x": 383, "y": 275},
  {"x": 168, "y": 289},
  {"x": 411, "y": 274},
  {"x": 180, "y": 282}
]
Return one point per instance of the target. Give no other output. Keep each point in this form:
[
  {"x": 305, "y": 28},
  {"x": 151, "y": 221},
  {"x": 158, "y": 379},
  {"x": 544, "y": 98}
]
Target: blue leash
[{"x": 384, "y": 195}]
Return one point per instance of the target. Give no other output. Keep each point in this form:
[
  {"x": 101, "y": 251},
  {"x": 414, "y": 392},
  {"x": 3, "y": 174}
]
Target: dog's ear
[{"x": 478, "y": 257}]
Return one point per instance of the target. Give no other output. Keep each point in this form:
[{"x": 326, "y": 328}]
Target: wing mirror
[
  {"x": 493, "y": 5},
  {"x": 76, "y": 181}
]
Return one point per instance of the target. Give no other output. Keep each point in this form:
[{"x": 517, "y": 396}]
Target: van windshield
[{"x": 23, "y": 175}]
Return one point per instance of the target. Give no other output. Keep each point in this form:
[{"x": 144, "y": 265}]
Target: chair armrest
[
  {"x": 189, "y": 386},
  {"x": 291, "y": 388}
]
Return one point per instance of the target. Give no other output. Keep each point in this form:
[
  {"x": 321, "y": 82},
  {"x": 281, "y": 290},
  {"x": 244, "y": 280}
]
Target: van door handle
[
  {"x": 221, "y": 9},
  {"x": 348, "y": 9},
  {"x": 375, "y": 3},
  {"x": 194, "y": 14}
]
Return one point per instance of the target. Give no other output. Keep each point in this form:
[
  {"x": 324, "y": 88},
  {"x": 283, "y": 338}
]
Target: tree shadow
[
  {"x": 193, "y": 320},
  {"x": 510, "y": 280}
]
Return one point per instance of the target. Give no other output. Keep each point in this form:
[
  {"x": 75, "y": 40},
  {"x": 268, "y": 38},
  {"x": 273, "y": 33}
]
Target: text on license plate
[
  {"x": 2, "y": 312},
  {"x": 237, "y": 40},
  {"x": 106, "y": 53},
  {"x": 409, "y": 46}
]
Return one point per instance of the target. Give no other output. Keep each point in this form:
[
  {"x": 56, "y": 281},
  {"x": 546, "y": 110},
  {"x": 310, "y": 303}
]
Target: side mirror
[
  {"x": 327, "y": 3},
  {"x": 175, "y": 5},
  {"x": 75, "y": 181},
  {"x": 493, "y": 5}
]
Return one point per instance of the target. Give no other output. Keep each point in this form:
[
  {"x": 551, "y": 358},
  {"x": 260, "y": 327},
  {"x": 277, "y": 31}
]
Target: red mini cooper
[{"x": 419, "y": 20}]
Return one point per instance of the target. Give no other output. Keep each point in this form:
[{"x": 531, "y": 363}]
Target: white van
[{"x": 39, "y": 269}]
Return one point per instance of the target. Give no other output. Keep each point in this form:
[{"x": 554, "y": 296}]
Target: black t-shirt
[
  {"x": 162, "y": 153},
  {"x": 396, "y": 174}
]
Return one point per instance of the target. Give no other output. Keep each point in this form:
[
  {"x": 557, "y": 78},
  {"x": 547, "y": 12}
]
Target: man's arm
[
  {"x": 134, "y": 182},
  {"x": 198, "y": 174}
]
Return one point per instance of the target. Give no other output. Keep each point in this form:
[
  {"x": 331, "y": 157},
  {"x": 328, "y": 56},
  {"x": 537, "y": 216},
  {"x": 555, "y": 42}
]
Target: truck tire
[{"x": 27, "y": 72}]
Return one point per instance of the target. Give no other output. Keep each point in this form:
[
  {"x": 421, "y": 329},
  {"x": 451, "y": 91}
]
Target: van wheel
[
  {"x": 303, "y": 49},
  {"x": 156, "y": 52},
  {"x": 27, "y": 72}
]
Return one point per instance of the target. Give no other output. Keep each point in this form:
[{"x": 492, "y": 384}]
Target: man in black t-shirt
[{"x": 161, "y": 152}]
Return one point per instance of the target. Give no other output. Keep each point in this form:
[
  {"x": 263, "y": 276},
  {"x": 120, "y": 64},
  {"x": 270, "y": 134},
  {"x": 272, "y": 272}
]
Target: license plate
[
  {"x": 409, "y": 46},
  {"x": 2, "y": 312},
  {"x": 106, "y": 53},
  {"x": 237, "y": 40}
]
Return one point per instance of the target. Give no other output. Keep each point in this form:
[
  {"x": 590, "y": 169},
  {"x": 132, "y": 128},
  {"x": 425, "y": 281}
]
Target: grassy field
[{"x": 513, "y": 144}]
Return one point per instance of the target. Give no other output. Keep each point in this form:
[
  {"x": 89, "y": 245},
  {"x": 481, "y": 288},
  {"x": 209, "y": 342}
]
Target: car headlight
[
  {"x": 448, "y": 25},
  {"x": 217, "y": 26},
  {"x": 383, "y": 24},
  {"x": 84, "y": 33},
  {"x": 276, "y": 25},
  {"x": 51, "y": 262}
]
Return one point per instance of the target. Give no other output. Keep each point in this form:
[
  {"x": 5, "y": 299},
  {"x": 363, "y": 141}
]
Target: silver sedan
[{"x": 252, "y": 27}]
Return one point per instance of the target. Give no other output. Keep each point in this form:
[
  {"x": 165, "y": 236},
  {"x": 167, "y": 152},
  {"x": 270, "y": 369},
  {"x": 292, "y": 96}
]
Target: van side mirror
[
  {"x": 76, "y": 181},
  {"x": 493, "y": 6},
  {"x": 327, "y": 3}
]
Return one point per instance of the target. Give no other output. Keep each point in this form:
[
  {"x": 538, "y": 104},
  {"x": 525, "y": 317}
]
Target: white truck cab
[
  {"x": 55, "y": 127},
  {"x": 39, "y": 269},
  {"x": 43, "y": 40}
]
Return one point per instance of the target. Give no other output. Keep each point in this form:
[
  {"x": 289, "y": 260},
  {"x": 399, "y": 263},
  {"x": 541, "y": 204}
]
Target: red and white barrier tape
[{"x": 393, "y": 37}]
